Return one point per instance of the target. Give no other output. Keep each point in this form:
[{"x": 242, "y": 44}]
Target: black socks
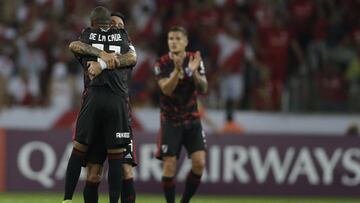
[
  {"x": 73, "y": 171},
  {"x": 91, "y": 193},
  {"x": 169, "y": 189},
  {"x": 191, "y": 185},
  {"x": 115, "y": 176},
  {"x": 128, "y": 194}
]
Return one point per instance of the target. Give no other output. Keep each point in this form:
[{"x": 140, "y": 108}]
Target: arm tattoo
[
  {"x": 128, "y": 59},
  {"x": 201, "y": 82},
  {"x": 84, "y": 49}
]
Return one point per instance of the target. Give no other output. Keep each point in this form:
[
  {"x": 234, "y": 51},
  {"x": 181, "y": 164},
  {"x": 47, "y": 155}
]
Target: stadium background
[{"x": 294, "y": 64}]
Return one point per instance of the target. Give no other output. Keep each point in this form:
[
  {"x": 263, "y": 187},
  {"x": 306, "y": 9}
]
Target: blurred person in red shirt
[
  {"x": 331, "y": 87},
  {"x": 232, "y": 53},
  {"x": 275, "y": 43},
  {"x": 263, "y": 95}
]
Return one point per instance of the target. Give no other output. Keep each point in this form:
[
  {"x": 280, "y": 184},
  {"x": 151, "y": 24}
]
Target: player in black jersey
[
  {"x": 104, "y": 112},
  {"x": 181, "y": 77},
  {"x": 96, "y": 154}
]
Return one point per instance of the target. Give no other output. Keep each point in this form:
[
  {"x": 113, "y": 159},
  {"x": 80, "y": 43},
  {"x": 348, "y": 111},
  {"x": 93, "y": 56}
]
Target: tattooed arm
[
  {"x": 201, "y": 82},
  {"x": 111, "y": 59},
  {"x": 197, "y": 69}
]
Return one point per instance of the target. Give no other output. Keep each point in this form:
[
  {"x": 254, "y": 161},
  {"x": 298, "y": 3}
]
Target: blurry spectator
[
  {"x": 140, "y": 74},
  {"x": 233, "y": 53},
  {"x": 32, "y": 62},
  {"x": 6, "y": 68},
  {"x": 353, "y": 78},
  {"x": 301, "y": 20},
  {"x": 231, "y": 126},
  {"x": 60, "y": 87},
  {"x": 263, "y": 93},
  {"x": 331, "y": 87},
  {"x": 352, "y": 130},
  {"x": 290, "y": 33},
  {"x": 276, "y": 42},
  {"x": 19, "y": 89}
]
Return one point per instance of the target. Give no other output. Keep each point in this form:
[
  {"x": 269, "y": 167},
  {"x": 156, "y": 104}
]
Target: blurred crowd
[{"x": 263, "y": 55}]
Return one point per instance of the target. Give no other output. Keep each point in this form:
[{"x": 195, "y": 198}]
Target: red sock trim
[
  {"x": 168, "y": 182},
  {"x": 78, "y": 152},
  {"x": 128, "y": 180},
  {"x": 92, "y": 183},
  {"x": 194, "y": 177},
  {"x": 114, "y": 156}
]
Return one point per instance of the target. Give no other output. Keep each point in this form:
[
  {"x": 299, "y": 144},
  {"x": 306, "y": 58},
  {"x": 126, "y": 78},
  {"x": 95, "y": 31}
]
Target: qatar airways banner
[{"x": 246, "y": 164}]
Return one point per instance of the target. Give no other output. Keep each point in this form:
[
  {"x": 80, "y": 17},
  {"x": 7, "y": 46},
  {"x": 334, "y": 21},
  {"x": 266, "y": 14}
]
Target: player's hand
[
  {"x": 109, "y": 58},
  {"x": 178, "y": 61},
  {"x": 94, "y": 69},
  {"x": 194, "y": 62}
]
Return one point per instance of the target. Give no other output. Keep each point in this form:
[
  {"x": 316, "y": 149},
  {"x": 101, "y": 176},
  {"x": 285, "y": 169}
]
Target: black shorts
[
  {"x": 174, "y": 135},
  {"x": 103, "y": 116},
  {"x": 129, "y": 154},
  {"x": 97, "y": 153}
]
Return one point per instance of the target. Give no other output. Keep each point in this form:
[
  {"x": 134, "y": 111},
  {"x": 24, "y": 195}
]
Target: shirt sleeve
[
  {"x": 126, "y": 43},
  {"x": 160, "y": 71},
  {"x": 84, "y": 36}
]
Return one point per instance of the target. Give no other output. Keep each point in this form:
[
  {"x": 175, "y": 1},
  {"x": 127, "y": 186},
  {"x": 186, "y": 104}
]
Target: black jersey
[
  {"x": 182, "y": 104},
  {"x": 111, "y": 40}
]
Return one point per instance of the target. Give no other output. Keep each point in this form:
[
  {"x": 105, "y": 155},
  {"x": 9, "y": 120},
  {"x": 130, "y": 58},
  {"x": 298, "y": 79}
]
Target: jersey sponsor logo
[
  {"x": 164, "y": 148},
  {"x": 123, "y": 135}
]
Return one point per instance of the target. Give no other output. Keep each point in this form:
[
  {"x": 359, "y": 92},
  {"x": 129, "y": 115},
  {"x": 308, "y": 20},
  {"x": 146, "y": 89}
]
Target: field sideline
[{"x": 142, "y": 198}]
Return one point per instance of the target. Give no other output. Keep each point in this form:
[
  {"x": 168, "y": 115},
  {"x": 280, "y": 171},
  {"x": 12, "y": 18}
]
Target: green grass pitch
[{"x": 146, "y": 198}]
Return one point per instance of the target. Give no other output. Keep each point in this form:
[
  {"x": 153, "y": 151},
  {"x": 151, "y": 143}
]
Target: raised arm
[
  {"x": 168, "y": 85},
  {"x": 128, "y": 59},
  {"x": 112, "y": 60},
  {"x": 195, "y": 63}
]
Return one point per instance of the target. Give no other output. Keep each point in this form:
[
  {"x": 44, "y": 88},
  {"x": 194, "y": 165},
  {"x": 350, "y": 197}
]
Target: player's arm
[
  {"x": 168, "y": 84},
  {"x": 81, "y": 48},
  {"x": 127, "y": 59},
  {"x": 112, "y": 60},
  {"x": 200, "y": 82},
  {"x": 197, "y": 69}
]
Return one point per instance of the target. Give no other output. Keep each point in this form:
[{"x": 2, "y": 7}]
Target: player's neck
[{"x": 180, "y": 53}]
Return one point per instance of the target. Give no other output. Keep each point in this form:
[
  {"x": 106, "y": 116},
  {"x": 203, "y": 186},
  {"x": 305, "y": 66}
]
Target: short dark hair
[
  {"x": 100, "y": 15},
  {"x": 178, "y": 29},
  {"x": 118, "y": 14}
]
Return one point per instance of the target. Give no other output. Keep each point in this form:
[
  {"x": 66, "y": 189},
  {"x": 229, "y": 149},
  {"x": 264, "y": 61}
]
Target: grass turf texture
[{"x": 146, "y": 198}]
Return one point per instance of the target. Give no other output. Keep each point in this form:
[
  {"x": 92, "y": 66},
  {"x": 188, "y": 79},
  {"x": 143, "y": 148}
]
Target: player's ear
[{"x": 186, "y": 41}]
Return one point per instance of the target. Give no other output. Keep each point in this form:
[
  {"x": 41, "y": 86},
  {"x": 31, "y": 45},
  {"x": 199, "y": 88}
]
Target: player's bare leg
[
  {"x": 128, "y": 194},
  {"x": 73, "y": 169},
  {"x": 115, "y": 175},
  {"x": 169, "y": 170},
  {"x": 194, "y": 177},
  {"x": 93, "y": 179}
]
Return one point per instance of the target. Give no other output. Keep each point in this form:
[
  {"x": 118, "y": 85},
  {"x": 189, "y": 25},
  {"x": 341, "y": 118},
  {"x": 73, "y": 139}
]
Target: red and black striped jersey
[{"x": 182, "y": 104}]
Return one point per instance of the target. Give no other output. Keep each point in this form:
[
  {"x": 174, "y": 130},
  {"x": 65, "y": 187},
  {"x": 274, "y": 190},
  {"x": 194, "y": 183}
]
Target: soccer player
[
  {"x": 181, "y": 77},
  {"x": 96, "y": 154},
  {"x": 104, "y": 112}
]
